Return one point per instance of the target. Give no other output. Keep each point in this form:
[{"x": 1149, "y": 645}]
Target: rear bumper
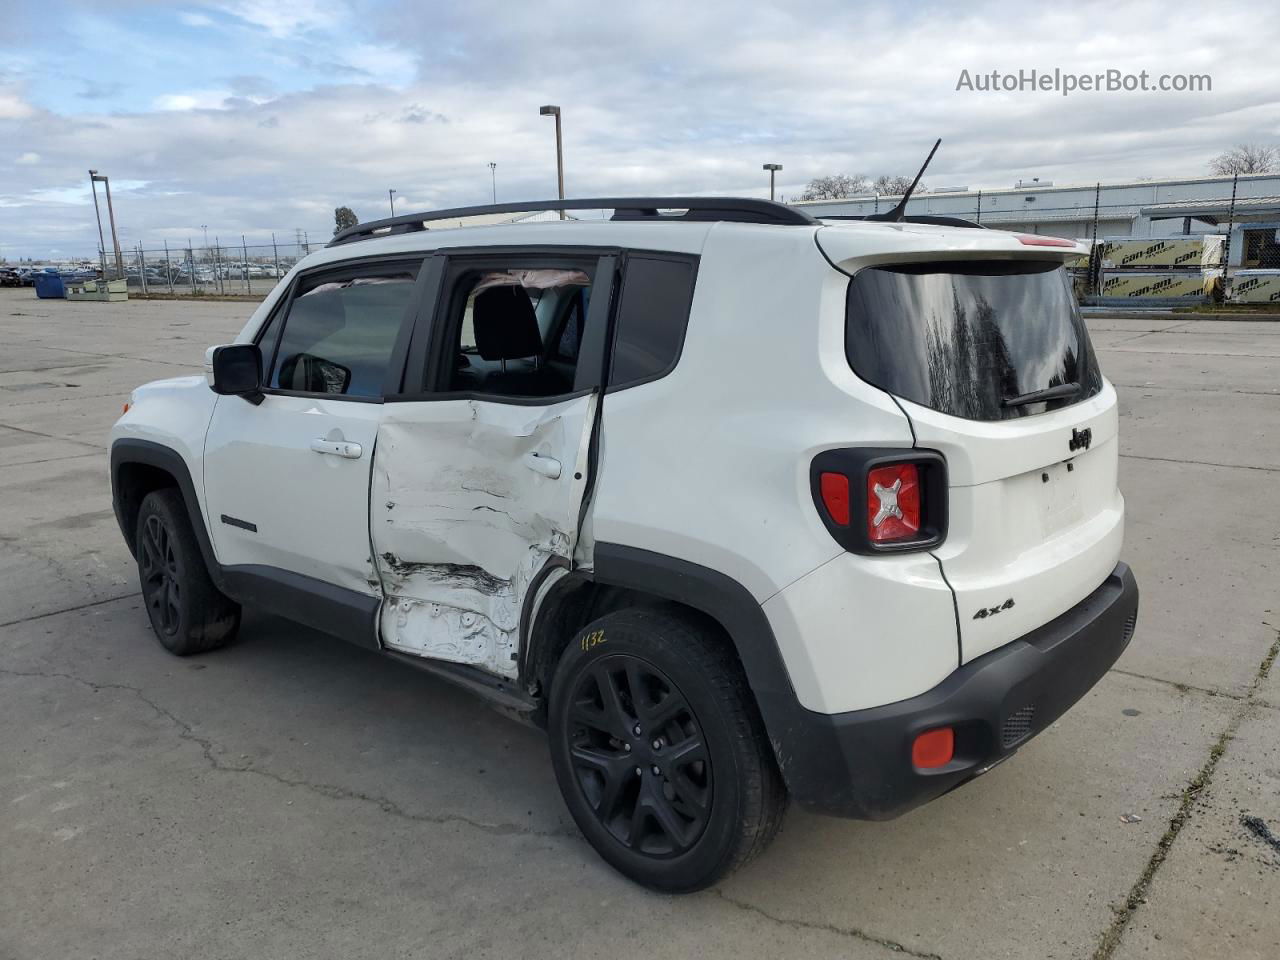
[{"x": 858, "y": 764}]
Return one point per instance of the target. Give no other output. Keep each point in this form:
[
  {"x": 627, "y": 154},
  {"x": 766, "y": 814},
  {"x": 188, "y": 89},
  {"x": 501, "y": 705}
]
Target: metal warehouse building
[{"x": 1137, "y": 208}]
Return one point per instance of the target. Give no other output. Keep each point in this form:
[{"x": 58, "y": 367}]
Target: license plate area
[{"x": 1060, "y": 503}]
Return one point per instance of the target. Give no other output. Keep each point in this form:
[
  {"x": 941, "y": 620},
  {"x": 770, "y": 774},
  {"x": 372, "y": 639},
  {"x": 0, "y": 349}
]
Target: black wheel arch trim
[
  {"x": 132, "y": 450},
  {"x": 731, "y": 605}
]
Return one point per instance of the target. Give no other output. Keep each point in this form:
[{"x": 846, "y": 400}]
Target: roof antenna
[{"x": 898, "y": 213}]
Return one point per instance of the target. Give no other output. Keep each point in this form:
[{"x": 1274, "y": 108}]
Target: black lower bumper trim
[{"x": 858, "y": 764}]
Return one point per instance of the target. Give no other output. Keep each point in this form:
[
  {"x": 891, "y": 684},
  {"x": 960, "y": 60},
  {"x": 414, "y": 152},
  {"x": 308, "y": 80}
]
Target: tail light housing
[{"x": 877, "y": 500}]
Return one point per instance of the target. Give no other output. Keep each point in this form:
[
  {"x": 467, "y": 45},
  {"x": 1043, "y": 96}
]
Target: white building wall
[{"x": 1065, "y": 211}]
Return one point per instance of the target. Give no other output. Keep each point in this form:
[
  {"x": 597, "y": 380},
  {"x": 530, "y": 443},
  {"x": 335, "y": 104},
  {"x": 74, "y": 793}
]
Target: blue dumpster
[{"x": 49, "y": 285}]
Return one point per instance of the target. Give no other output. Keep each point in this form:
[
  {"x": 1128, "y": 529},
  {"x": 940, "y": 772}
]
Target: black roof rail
[
  {"x": 703, "y": 209},
  {"x": 935, "y": 219}
]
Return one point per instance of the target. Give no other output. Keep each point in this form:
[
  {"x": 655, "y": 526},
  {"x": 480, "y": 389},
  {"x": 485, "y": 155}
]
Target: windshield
[{"x": 971, "y": 338}]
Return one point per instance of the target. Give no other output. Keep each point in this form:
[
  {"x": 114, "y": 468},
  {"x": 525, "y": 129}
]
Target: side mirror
[{"x": 237, "y": 371}]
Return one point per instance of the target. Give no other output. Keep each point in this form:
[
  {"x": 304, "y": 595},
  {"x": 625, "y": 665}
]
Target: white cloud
[
  {"x": 28, "y": 159},
  {"x": 193, "y": 100},
  {"x": 283, "y": 18},
  {"x": 195, "y": 19},
  {"x": 13, "y": 107}
]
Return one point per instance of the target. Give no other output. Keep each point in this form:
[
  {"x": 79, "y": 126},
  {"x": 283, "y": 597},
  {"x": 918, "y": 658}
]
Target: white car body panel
[
  {"x": 864, "y": 631},
  {"x": 310, "y": 509},
  {"x": 690, "y": 470},
  {"x": 173, "y": 413},
  {"x": 466, "y": 516}
]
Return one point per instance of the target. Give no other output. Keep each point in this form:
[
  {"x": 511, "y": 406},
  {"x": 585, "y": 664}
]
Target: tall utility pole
[
  {"x": 493, "y": 174},
  {"x": 391, "y": 195},
  {"x": 773, "y": 169},
  {"x": 102, "y": 243},
  {"x": 550, "y": 110}
]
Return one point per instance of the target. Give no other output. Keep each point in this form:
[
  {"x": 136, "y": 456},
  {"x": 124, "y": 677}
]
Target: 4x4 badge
[{"x": 1080, "y": 439}]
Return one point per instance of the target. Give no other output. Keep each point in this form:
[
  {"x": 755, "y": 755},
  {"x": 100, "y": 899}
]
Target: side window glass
[
  {"x": 339, "y": 334},
  {"x": 652, "y": 316},
  {"x": 499, "y": 348}
]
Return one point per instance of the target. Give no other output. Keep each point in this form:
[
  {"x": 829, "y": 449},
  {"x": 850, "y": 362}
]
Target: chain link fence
[{"x": 216, "y": 269}]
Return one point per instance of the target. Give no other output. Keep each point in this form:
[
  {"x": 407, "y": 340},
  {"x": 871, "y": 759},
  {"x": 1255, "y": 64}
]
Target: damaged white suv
[{"x": 739, "y": 505}]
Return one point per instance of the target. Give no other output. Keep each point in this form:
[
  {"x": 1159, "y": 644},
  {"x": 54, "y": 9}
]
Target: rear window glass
[{"x": 974, "y": 339}]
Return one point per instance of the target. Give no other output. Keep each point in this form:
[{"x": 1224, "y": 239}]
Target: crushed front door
[{"x": 471, "y": 500}]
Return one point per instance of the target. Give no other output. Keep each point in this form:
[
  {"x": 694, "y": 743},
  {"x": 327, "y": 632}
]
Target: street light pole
[
  {"x": 773, "y": 168},
  {"x": 493, "y": 173},
  {"x": 391, "y": 195},
  {"x": 102, "y": 243},
  {"x": 553, "y": 111}
]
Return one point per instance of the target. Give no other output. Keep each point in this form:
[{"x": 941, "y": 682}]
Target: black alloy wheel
[
  {"x": 161, "y": 575},
  {"x": 640, "y": 757},
  {"x": 659, "y": 749}
]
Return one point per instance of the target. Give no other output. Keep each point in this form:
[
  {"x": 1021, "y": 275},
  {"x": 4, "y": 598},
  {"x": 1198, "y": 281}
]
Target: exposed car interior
[{"x": 520, "y": 332}]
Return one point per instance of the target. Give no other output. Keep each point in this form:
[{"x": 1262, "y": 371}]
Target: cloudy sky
[{"x": 253, "y": 116}]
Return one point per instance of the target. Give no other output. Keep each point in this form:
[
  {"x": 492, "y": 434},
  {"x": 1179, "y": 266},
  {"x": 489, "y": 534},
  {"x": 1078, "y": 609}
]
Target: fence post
[
  {"x": 142, "y": 269},
  {"x": 244, "y": 252},
  {"x": 275, "y": 252},
  {"x": 1095, "y": 262},
  {"x": 191, "y": 265},
  {"x": 217, "y": 263},
  {"x": 1226, "y": 243},
  {"x": 979, "y": 206},
  {"x": 168, "y": 268}
]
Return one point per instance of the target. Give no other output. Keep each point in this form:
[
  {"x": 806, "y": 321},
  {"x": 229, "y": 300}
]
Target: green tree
[{"x": 343, "y": 217}]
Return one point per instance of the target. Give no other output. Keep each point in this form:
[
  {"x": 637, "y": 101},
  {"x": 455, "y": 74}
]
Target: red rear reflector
[
  {"x": 893, "y": 502},
  {"x": 1035, "y": 240},
  {"x": 933, "y": 748},
  {"x": 835, "y": 496}
]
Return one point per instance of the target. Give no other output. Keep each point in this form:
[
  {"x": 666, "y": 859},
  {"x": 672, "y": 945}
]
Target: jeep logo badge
[{"x": 1080, "y": 439}]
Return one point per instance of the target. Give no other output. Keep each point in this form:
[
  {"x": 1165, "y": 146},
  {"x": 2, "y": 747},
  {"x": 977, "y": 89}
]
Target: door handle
[
  {"x": 539, "y": 463},
  {"x": 337, "y": 448}
]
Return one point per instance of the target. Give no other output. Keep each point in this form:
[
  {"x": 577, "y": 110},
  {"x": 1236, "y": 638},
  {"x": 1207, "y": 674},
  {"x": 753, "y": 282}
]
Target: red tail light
[
  {"x": 835, "y": 496},
  {"x": 875, "y": 500},
  {"x": 893, "y": 503}
]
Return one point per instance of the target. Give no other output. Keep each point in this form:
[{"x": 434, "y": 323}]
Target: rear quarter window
[{"x": 653, "y": 312}]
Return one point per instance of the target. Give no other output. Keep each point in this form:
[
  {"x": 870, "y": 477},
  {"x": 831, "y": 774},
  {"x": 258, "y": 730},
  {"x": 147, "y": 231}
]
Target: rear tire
[
  {"x": 660, "y": 752},
  {"x": 188, "y": 613}
]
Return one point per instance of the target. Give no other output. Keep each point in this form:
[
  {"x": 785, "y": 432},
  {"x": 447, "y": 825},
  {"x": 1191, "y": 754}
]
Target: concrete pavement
[{"x": 294, "y": 796}]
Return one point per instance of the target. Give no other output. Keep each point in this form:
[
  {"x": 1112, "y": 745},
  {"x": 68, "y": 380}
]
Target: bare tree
[
  {"x": 343, "y": 217},
  {"x": 1246, "y": 158},
  {"x": 839, "y": 186},
  {"x": 887, "y": 186}
]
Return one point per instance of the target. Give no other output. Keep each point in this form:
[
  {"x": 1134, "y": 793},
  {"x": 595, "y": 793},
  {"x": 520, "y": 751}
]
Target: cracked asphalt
[{"x": 293, "y": 796}]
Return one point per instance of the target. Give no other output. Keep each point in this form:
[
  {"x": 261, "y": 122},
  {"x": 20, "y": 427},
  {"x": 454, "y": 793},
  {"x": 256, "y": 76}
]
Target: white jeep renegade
[{"x": 737, "y": 504}]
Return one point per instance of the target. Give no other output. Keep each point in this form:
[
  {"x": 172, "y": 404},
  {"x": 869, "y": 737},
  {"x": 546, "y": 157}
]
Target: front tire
[
  {"x": 660, "y": 752},
  {"x": 188, "y": 613}
]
